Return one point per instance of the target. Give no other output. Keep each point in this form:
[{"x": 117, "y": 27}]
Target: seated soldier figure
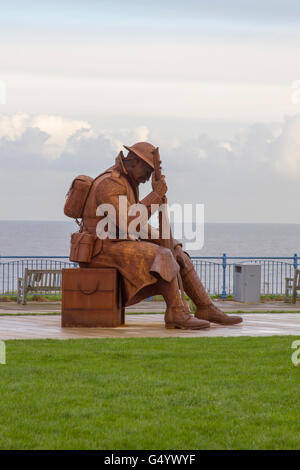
[{"x": 146, "y": 267}]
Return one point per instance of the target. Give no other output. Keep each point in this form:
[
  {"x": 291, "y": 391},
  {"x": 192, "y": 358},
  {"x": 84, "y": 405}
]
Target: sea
[{"x": 52, "y": 238}]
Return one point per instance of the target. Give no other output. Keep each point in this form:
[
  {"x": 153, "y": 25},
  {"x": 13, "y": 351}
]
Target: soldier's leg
[
  {"x": 175, "y": 316},
  {"x": 194, "y": 288}
]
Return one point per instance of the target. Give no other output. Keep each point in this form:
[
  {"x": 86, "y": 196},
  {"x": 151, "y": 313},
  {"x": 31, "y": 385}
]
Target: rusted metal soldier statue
[{"x": 147, "y": 268}]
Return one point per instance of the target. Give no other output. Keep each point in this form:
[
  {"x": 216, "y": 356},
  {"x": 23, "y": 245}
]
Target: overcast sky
[{"x": 210, "y": 83}]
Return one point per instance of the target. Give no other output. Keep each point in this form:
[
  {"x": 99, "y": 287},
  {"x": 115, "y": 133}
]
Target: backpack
[
  {"x": 77, "y": 195},
  {"x": 79, "y": 190}
]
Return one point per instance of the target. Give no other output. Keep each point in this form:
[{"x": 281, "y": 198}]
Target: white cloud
[
  {"x": 142, "y": 134},
  {"x": 286, "y": 148},
  {"x": 12, "y": 127},
  {"x": 269, "y": 149},
  {"x": 226, "y": 145},
  {"x": 237, "y": 178},
  {"x": 55, "y": 142},
  {"x": 27, "y": 139},
  {"x": 59, "y": 130}
]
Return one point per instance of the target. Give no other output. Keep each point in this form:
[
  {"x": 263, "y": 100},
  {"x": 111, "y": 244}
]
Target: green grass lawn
[{"x": 173, "y": 393}]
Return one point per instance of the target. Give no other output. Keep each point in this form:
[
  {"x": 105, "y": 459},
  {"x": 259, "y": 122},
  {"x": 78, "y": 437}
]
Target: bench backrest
[{"x": 42, "y": 279}]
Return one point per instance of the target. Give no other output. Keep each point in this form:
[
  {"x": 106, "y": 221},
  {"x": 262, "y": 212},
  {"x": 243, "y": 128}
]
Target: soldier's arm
[
  {"x": 153, "y": 237},
  {"x": 151, "y": 202},
  {"x": 155, "y": 198}
]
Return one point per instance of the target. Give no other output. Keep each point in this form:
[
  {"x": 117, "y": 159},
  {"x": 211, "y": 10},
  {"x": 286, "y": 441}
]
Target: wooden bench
[
  {"x": 37, "y": 280},
  {"x": 292, "y": 284}
]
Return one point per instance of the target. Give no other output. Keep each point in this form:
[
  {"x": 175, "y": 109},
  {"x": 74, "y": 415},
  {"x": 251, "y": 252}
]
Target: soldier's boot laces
[
  {"x": 206, "y": 310},
  {"x": 176, "y": 317}
]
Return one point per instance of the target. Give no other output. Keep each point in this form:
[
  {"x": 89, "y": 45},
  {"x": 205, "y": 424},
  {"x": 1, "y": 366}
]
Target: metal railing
[
  {"x": 12, "y": 267},
  {"x": 216, "y": 272}
]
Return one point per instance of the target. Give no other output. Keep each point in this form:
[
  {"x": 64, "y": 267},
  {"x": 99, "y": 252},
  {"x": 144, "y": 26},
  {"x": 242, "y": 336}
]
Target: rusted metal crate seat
[{"x": 91, "y": 297}]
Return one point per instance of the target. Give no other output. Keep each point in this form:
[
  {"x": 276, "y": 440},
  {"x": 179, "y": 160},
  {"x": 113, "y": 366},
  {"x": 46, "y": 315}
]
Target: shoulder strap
[
  {"x": 118, "y": 166},
  {"x": 81, "y": 224}
]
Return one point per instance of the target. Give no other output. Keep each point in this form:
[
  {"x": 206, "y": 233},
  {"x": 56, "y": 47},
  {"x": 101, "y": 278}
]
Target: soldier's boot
[
  {"x": 176, "y": 316},
  {"x": 206, "y": 310}
]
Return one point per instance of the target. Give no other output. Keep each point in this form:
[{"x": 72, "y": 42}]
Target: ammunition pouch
[{"x": 82, "y": 246}]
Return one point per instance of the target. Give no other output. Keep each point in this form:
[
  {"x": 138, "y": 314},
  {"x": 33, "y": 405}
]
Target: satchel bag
[{"x": 82, "y": 245}]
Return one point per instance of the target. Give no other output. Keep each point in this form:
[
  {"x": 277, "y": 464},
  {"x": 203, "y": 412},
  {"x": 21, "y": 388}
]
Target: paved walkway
[
  {"x": 55, "y": 307},
  {"x": 145, "y": 306},
  {"x": 142, "y": 326},
  {"x": 48, "y": 326}
]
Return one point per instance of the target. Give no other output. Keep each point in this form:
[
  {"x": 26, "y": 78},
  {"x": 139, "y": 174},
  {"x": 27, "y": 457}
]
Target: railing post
[
  {"x": 296, "y": 266},
  {"x": 295, "y": 261},
  {"x": 224, "y": 276}
]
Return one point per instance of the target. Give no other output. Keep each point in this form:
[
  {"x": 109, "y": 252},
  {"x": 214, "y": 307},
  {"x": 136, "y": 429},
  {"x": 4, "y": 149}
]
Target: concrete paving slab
[
  {"x": 150, "y": 306},
  {"x": 142, "y": 326}
]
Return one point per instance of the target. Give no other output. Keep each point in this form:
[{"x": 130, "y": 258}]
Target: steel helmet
[{"x": 144, "y": 151}]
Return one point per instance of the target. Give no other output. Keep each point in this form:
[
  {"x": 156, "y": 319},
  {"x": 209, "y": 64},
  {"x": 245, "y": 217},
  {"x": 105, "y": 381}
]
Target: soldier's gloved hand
[{"x": 159, "y": 186}]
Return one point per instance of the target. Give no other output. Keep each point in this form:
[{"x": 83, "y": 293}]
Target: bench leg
[
  {"x": 24, "y": 294},
  {"x": 288, "y": 287},
  {"x": 294, "y": 293},
  {"x": 19, "y": 290},
  {"x": 286, "y": 294}
]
